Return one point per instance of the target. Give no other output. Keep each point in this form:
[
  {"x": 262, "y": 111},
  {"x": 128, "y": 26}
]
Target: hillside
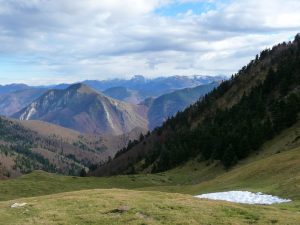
[
  {"x": 229, "y": 123},
  {"x": 29, "y": 145},
  {"x": 85, "y": 110},
  {"x": 167, "y": 105}
]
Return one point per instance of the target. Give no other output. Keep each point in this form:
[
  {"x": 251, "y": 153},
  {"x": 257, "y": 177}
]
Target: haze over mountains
[{"x": 145, "y": 88}]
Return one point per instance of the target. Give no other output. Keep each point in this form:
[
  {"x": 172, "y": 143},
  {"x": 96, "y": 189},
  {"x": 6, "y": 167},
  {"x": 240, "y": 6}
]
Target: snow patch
[
  {"x": 245, "y": 197},
  {"x": 18, "y": 205}
]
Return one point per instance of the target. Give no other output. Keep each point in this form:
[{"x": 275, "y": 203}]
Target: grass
[
  {"x": 163, "y": 198},
  {"x": 40, "y": 183},
  {"x": 116, "y": 206}
]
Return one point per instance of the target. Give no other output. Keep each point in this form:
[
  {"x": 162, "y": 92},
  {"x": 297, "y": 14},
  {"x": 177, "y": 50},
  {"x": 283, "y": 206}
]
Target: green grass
[
  {"x": 42, "y": 183},
  {"x": 115, "y": 206}
]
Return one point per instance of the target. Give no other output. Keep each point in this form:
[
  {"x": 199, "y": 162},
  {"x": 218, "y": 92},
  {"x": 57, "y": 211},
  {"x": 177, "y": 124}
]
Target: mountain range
[
  {"x": 86, "y": 110},
  {"x": 14, "y": 97},
  {"x": 156, "y": 86}
]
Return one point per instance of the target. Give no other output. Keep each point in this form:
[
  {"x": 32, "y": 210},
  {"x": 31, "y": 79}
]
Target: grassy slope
[
  {"x": 115, "y": 206},
  {"x": 275, "y": 170},
  {"x": 278, "y": 174}
]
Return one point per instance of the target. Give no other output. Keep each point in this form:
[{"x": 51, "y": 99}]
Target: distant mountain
[
  {"x": 83, "y": 109},
  {"x": 123, "y": 94},
  {"x": 4, "y": 89},
  {"x": 167, "y": 105},
  {"x": 155, "y": 87},
  {"x": 13, "y": 102},
  {"x": 135, "y": 89}
]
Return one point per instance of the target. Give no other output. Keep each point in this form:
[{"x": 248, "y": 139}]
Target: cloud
[
  {"x": 254, "y": 16},
  {"x": 93, "y": 39}
]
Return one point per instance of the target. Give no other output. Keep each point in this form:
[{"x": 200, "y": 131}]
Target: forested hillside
[
  {"x": 230, "y": 123},
  {"x": 35, "y": 145}
]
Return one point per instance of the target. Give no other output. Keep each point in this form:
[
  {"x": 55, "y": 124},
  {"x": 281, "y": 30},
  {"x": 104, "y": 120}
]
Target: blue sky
[
  {"x": 176, "y": 8},
  {"x": 52, "y": 41}
]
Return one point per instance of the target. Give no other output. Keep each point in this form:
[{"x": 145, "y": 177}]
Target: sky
[{"x": 56, "y": 41}]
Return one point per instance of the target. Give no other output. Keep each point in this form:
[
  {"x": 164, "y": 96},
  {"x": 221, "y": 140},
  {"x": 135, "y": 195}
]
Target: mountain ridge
[{"x": 84, "y": 109}]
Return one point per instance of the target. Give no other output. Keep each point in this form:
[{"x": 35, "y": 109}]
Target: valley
[{"x": 150, "y": 150}]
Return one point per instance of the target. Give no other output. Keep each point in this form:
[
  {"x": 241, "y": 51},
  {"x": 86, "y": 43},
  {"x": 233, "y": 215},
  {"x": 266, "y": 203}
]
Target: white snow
[
  {"x": 17, "y": 205},
  {"x": 245, "y": 197}
]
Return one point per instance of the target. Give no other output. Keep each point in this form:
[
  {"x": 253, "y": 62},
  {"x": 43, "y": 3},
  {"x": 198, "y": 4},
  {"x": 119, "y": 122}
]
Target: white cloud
[{"x": 98, "y": 39}]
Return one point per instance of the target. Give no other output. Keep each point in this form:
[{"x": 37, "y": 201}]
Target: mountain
[
  {"x": 123, "y": 94},
  {"x": 13, "y": 102},
  {"x": 4, "y": 89},
  {"x": 144, "y": 88},
  {"x": 229, "y": 124},
  {"x": 83, "y": 109},
  {"x": 15, "y": 97},
  {"x": 167, "y": 105}
]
